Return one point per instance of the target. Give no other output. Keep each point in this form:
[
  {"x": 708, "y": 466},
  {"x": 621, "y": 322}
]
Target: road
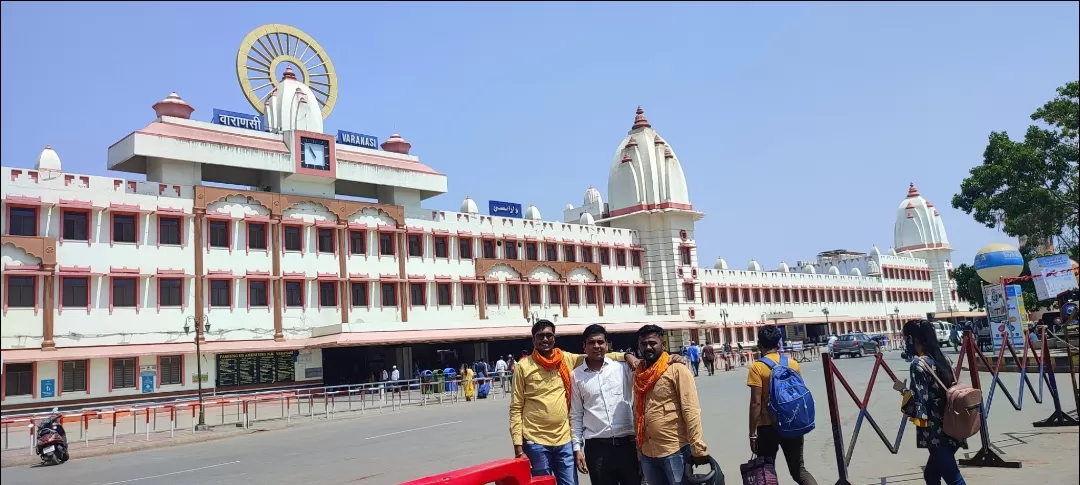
[{"x": 385, "y": 449}]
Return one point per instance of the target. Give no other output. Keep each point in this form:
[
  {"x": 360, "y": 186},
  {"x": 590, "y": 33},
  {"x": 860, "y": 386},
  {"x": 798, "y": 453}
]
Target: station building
[{"x": 297, "y": 257}]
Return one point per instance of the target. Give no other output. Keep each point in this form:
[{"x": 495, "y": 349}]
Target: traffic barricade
[
  {"x": 500, "y": 472},
  {"x": 972, "y": 356}
]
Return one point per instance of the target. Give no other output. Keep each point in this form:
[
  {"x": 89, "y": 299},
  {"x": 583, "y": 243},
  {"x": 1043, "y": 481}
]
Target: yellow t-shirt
[{"x": 759, "y": 377}]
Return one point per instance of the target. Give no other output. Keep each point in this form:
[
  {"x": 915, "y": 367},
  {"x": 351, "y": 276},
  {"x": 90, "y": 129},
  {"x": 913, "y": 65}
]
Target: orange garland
[
  {"x": 644, "y": 380},
  {"x": 556, "y": 360}
]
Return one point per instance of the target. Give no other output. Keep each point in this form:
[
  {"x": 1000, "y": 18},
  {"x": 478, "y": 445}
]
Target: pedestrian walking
[
  {"x": 924, "y": 403},
  {"x": 766, "y": 439},
  {"x": 708, "y": 355},
  {"x": 693, "y": 354}
]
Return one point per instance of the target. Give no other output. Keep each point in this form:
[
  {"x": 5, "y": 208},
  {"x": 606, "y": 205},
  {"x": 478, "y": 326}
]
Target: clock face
[{"x": 315, "y": 154}]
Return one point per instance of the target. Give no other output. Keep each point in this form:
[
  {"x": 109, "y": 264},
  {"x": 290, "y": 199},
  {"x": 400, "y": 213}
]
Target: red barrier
[{"x": 500, "y": 472}]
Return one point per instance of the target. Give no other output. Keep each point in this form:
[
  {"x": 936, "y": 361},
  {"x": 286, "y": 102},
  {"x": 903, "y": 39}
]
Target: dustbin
[
  {"x": 427, "y": 379},
  {"x": 440, "y": 381},
  {"x": 451, "y": 379}
]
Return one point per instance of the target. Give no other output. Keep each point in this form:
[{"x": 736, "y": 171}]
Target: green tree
[
  {"x": 969, "y": 286},
  {"x": 1030, "y": 188}
]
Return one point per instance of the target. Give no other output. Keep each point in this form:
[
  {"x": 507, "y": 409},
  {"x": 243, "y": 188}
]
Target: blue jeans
[
  {"x": 668, "y": 470},
  {"x": 942, "y": 466},
  {"x": 552, "y": 460}
]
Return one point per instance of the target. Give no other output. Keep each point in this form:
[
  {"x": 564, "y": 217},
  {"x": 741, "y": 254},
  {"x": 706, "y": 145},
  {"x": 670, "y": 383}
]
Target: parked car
[
  {"x": 854, "y": 345},
  {"x": 943, "y": 331}
]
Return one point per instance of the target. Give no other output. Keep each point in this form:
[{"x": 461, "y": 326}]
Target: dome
[
  {"x": 874, "y": 251},
  {"x": 918, "y": 225},
  {"x": 532, "y": 213},
  {"x": 292, "y": 106},
  {"x": 593, "y": 202},
  {"x": 468, "y": 206},
  {"x": 569, "y": 207},
  {"x": 809, "y": 269},
  {"x": 645, "y": 174},
  {"x": 586, "y": 219},
  {"x": 833, "y": 270},
  {"x": 720, "y": 264},
  {"x": 396, "y": 144},
  {"x": 753, "y": 266},
  {"x": 855, "y": 272},
  {"x": 784, "y": 268},
  {"x": 173, "y": 106},
  {"x": 48, "y": 160},
  {"x": 872, "y": 268}
]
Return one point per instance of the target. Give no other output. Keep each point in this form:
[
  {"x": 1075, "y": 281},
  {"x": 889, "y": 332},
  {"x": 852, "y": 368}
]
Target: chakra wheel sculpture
[{"x": 268, "y": 50}]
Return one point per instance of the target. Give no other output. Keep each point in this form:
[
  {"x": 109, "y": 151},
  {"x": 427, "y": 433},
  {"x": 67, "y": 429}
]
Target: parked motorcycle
[{"x": 52, "y": 445}]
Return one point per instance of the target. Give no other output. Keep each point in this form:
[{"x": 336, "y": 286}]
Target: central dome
[
  {"x": 645, "y": 173},
  {"x": 292, "y": 106}
]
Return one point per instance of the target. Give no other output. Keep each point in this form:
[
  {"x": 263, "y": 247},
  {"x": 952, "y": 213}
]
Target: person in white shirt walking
[
  {"x": 602, "y": 415},
  {"x": 500, "y": 371}
]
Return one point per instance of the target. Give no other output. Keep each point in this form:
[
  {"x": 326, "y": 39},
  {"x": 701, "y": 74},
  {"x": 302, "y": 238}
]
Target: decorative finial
[
  {"x": 657, "y": 141},
  {"x": 640, "y": 121},
  {"x": 396, "y": 144},
  {"x": 912, "y": 191},
  {"x": 289, "y": 74},
  {"x": 48, "y": 147}
]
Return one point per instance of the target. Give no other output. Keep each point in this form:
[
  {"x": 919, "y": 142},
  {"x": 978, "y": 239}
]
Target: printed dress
[{"x": 925, "y": 405}]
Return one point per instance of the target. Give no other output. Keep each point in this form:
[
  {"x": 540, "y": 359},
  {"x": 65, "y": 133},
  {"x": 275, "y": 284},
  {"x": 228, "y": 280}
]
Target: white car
[{"x": 943, "y": 331}]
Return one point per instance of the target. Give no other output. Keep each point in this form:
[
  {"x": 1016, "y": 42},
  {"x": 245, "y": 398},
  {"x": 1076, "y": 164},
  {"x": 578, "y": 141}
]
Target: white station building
[{"x": 313, "y": 261}]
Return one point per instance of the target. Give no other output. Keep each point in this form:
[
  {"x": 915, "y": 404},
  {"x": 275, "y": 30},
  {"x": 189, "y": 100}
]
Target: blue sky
[{"x": 799, "y": 125}]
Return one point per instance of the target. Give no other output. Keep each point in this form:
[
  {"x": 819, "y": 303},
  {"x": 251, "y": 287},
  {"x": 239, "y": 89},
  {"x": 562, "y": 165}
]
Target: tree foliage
[
  {"x": 1030, "y": 188},
  {"x": 969, "y": 285}
]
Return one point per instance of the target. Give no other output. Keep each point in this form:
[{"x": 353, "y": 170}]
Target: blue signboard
[
  {"x": 147, "y": 383},
  {"x": 238, "y": 120},
  {"x": 48, "y": 388},
  {"x": 357, "y": 140},
  {"x": 504, "y": 209}
]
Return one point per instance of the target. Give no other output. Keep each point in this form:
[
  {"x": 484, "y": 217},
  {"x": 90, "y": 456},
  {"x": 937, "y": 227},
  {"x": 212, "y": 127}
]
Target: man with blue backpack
[{"x": 781, "y": 407}]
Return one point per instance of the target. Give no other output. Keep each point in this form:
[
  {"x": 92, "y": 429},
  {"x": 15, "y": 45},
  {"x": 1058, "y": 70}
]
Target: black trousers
[
  {"x": 612, "y": 461},
  {"x": 709, "y": 367},
  {"x": 769, "y": 443}
]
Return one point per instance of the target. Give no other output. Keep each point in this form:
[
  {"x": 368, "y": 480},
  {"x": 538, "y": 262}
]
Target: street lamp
[
  {"x": 724, "y": 314},
  {"x": 188, "y": 323}
]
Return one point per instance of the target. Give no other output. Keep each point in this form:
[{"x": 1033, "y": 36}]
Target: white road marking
[
  {"x": 404, "y": 431},
  {"x": 173, "y": 473}
]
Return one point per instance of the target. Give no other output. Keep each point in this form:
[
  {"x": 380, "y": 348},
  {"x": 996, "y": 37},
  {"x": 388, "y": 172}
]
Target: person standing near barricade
[
  {"x": 708, "y": 355},
  {"x": 602, "y": 416},
  {"x": 765, "y": 439},
  {"x": 667, "y": 415},
  {"x": 924, "y": 403},
  {"x": 693, "y": 354}
]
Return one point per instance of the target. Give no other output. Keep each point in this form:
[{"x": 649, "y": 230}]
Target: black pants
[
  {"x": 769, "y": 443},
  {"x": 709, "y": 367},
  {"x": 612, "y": 461}
]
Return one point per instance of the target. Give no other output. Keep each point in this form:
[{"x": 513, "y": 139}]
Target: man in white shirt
[
  {"x": 602, "y": 415},
  {"x": 500, "y": 371},
  {"x": 832, "y": 344}
]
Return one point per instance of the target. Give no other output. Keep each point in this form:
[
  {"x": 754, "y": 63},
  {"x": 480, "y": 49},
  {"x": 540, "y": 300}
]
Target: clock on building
[{"x": 314, "y": 153}]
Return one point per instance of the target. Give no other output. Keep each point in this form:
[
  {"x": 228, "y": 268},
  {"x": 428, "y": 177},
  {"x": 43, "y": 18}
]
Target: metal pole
[{"x": 198, "y": 369}]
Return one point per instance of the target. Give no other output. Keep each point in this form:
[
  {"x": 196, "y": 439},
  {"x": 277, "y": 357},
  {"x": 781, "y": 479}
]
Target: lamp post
[
  {"x": 896, "y": 316},
  {"x": 188, "y": 324},
  {"x": 724, "y": 314}
]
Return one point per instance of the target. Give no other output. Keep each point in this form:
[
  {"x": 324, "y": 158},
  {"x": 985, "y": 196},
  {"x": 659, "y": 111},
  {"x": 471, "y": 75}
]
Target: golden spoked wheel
[{"x": 268, "y": 50}]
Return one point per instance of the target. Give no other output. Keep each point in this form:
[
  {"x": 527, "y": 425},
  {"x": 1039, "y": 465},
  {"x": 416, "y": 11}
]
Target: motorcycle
[{"x": 52, "y": 445}]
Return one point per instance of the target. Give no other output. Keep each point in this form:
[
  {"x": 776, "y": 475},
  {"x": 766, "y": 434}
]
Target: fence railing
[
  {"x": 972, "y": 356},
  {"x": 112, "y": 425}
]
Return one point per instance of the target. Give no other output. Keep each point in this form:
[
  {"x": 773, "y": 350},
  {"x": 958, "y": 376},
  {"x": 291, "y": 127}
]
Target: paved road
[{"x": 394, "y": 447}]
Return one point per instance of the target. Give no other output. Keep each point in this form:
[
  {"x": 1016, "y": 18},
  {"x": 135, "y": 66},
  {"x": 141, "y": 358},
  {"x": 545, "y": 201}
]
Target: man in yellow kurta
[
  {"x": 667, "y": 415},
  {"x": 540, "y": 404}
]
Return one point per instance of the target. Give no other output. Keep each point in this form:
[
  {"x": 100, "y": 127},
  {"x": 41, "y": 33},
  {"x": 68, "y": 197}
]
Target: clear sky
[{"x": 799, "y": 125}]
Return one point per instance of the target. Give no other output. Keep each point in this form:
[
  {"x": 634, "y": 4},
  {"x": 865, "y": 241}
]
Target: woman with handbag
[{"x": 924, "y": 403}]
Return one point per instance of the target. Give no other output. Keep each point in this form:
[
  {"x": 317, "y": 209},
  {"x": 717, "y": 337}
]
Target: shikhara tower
[{"x": 919, "y": 232}]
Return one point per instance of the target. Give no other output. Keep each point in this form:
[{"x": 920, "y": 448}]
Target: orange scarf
[
  {"x": 644, "y": 380},
  {"x": 556, "y": 360}
]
